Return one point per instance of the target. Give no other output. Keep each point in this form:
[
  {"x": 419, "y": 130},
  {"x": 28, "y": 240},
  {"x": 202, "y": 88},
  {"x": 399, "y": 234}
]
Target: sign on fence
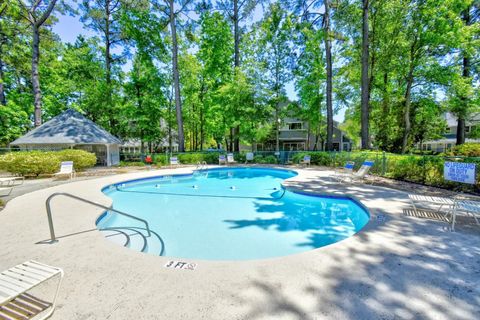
[{"x": 459, "y": 172}]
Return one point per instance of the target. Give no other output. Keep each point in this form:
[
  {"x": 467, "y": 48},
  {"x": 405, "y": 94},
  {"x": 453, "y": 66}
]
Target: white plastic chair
[
  {"x": 66, "y": 168},
  {"x": 306, "y": 160},
  {"x": 441, "y": 202},
  {"x": 467, "y": 206},
  {"x": 14, "y": 284},
  {"x": 249, "y": 157},
  {"x": 5, "y": 191},
  {"x": 11, "y": 181},
  {"x": 230, "y": 159},
  {"x": 222, "y": 159},
  {"x": 360, "y": 174},
  {"x": 174, "y": 161}
]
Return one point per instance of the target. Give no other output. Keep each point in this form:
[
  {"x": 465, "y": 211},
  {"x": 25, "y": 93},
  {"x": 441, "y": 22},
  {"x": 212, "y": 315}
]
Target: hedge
[
  {"x": 28, "y": 163},
  {"x": 427, "y": 170},
  {"x": 467, "y": 150}
]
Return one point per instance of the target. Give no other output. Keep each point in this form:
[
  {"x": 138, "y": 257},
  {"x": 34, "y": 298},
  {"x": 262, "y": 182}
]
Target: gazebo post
[{"x": 108, "y": 155}]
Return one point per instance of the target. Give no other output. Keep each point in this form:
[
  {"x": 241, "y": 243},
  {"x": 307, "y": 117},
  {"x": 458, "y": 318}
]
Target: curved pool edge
[
  {"x": 299, "y": 173},
  {"x": 88, "y": 217}
]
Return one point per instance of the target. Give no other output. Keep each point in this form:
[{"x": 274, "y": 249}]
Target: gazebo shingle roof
[{"x": 69, "y": 127}]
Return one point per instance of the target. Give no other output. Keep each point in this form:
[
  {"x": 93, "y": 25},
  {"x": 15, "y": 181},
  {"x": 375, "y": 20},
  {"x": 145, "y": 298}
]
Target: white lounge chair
[
  {"x": 466, "y": 206},
  {"x": 66, "y": 168},
  {"x": 249, "y": 157},
  {"x": 222, "y": 159},
  {"x": 15, "y": 302},
  {"x": 430, "y": 202},
  {"x": 5, "y": 191},
  {"x": 346, "y": 170},
  {"x": 360, "y": 174},
  {"x": 230, "y": 159},
  {"x": 11, "y": 181},
  {"x": 306, "y": 160},
  {"x": 174, "y": 161}
]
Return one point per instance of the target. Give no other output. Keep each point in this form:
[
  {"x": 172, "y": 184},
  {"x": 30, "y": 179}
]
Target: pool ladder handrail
[{"x": 50, "y": 219}]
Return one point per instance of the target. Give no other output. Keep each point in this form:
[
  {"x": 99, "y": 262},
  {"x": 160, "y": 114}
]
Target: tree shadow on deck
[{"x": 404, "y": 267}]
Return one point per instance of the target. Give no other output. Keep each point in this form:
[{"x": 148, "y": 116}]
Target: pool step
[
  {"x": 135, "y": 238},
  {"x": 116, "y": 236}
]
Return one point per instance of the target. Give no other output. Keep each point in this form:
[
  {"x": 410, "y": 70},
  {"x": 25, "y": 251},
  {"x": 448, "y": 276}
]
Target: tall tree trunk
[
  {"x": 170, "y": 138},
  {"x": 202, "y": 138},
  {"x": 365, "y": 80},
  {"x": 407, "y": 103},
  {"x": 108, "y": 68},
  {"x": 382, "y": 134},
  {"x": 36, "y": 22},
  {"x": 236, "y": 35},
  {"x": 37, "y": 93},
  {"x": 328, "y": 53},
  {"x": 176, "y": 79},
  {"x": 277, "y": 128},
  {"x": 108, "y": 57},
  {"x": 3, "y": 100},
  {"x": 466, "y": 74}
]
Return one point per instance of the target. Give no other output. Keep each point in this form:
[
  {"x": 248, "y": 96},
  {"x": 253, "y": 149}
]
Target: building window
[
  {"x": 448, "y": 130},
  {"x": 449, "y": 146},
  {"x": 295, "y": 126},
  {"x": 429, "y": 146},
  {"x": 467, "y": 129}
]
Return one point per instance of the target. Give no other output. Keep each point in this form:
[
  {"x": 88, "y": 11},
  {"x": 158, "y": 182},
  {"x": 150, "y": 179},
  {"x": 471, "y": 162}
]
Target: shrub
[
  {"x": 466, "y": 150},
  {"x": 270, "y": 160},
  {"x": 190, "y": 158},
  {"x": 81, "y": 159},
  {"x": 132, "y": 164},
  {"x": 44, "y": 162},
  {"x": 265, "y": 159},
  {"x": 159, "y": 159}
]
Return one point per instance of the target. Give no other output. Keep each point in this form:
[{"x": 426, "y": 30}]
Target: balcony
[{"x": 300, "y": 134}]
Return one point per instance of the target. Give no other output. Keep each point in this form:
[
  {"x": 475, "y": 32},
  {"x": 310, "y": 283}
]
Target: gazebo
[{"x": 71, "y": 130}]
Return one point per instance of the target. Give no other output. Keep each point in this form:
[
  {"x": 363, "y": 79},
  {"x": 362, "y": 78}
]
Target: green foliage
[
  {"x": 265, "y": 160},
  {"x": 28, "y": 163},
  {"x": 466, "y": 150},
  {"x": 420, "y": 45},
  {"x": 421, "y": 169},
  {"x": 132, "y": 164},
  {"x": 13, "y": 122},
  {"x": 81, "y": 159}
]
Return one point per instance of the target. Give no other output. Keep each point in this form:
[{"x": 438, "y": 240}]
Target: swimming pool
[{"x": 231, "y": 214}]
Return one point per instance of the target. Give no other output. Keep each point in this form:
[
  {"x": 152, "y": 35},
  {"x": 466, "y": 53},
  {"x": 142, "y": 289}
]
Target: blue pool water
[{"x": 233, "y": 214}]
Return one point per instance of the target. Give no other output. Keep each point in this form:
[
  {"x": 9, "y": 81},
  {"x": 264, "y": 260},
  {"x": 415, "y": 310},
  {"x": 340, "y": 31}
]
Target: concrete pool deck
[{"x": 398, "y": 266}]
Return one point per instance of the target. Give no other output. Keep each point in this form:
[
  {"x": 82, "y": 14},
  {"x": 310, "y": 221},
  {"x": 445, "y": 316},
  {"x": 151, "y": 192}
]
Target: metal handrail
[{"x": 49, "y": 211}]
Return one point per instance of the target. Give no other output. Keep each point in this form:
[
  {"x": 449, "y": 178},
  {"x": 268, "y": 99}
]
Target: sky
[{"x": 69, "y": 28}]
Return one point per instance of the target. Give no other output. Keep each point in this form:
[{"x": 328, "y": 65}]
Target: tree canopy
[{"x": 216, "y": 74}]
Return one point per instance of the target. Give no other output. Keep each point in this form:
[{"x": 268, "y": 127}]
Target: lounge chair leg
[
  {"x": 454, "y": 214},
  {"x": 414, "y": 207}
]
